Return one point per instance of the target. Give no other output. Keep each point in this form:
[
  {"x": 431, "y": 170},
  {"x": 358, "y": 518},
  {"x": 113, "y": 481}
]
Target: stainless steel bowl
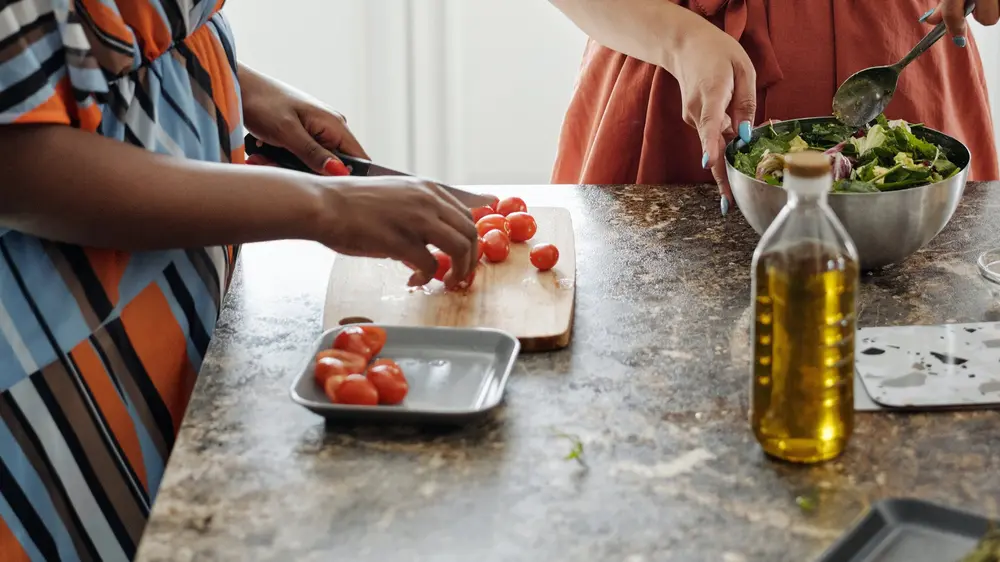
[{"x": 886, "y": 227}]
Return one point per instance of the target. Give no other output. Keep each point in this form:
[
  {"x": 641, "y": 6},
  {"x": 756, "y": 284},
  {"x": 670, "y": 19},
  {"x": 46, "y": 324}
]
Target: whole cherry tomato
[
  {"x": 511, "y": 205},
  {"x": 353, "y": 362},
  {"x": 327, "y": 367},
  {"x": 375, "y": 337},
  {"x": 495, "y": 202},
  {"x": 356, "y": 390},
  {"x": 353, "y": 339},
  {"x": 390, "y": 383},
  {"x": 544, "y": 256},
  {"x": 496, "y": 246},
  {"x": 444, "y": 264},
  {"x": 479, "y": 257},
  {"x": 522, "y": 226},
  {"x": 491, "y": 222},
  {"x": 480, "y": 212}
]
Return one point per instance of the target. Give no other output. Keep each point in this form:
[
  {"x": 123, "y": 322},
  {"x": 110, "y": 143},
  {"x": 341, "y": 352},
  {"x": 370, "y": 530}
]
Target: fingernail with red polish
[{"x": 334, "y": 167}]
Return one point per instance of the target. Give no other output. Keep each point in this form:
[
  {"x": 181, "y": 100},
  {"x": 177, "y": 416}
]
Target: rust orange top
[{"x": 624, "y": 121}]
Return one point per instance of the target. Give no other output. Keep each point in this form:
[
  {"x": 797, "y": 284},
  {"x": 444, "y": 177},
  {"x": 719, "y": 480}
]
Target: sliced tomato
[
  {"x": 356, "y": 390},
  {"x": 327, "y": 367},
  {"x": 389, "y": 381},
  {"x": 353, "y": 362},
  {"x": 496, "y": 246},
  {"x": 444, "y": 264},
  {"x": 353, "y": 339},
  {"x": 331, "y": 386},
  {"x": 493, "y": 222},
  {"x": 375, "y": 336},
  {"x": 511, "y": 205},
  {"x": 544, "y": 256}
]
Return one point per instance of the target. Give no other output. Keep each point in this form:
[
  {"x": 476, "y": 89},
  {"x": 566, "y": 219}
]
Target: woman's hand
[
  {"x": 397, "y": 217},
  {"x": 719, "y": 94},
  {"x": 281, "y": 116},
  {"x": 952, "y": 13}
]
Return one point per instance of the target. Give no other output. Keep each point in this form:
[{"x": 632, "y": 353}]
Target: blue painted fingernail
[
  {"x": 745, "y": 131},
  {"x": 926, "y": 15},
  {"x": 724, "y": 206},
  {"x": 959, "y": 40},
  {"x": 704, "y": 160}
]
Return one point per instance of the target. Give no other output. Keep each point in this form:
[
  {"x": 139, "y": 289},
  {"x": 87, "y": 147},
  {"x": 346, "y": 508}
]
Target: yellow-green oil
[{"x": 802, "y": 406}]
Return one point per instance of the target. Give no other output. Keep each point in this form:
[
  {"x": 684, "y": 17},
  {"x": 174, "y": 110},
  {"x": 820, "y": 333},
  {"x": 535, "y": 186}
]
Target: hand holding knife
[{"x": 357, "y": 167}]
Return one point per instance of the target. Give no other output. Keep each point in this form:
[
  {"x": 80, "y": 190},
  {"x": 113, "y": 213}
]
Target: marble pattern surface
[{"x": 654, "y": 386}]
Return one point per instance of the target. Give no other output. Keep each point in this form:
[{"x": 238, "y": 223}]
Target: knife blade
[{"x": 358, "y": 167}]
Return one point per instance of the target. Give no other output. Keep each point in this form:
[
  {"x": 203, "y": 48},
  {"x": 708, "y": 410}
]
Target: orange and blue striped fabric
[{"x": 99, "y": 349}]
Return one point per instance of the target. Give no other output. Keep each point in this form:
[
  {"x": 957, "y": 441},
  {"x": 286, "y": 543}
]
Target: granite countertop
[{"x": 654, "y": 384}]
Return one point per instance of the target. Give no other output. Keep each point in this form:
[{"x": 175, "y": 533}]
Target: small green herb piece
[
  {"x": 576, "y": 452},
  {"x": 807, "y": 503}
]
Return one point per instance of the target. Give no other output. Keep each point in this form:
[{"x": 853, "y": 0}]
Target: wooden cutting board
[{"x": 534, "y": 306}]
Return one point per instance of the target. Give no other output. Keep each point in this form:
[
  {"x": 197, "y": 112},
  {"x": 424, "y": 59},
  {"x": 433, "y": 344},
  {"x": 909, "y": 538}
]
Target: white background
[{"x": 465, "y": 91}]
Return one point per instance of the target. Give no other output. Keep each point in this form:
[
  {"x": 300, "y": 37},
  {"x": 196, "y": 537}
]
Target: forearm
[
  {"x": 73, "y": 186},
  {"x": 654, "y": 31}
]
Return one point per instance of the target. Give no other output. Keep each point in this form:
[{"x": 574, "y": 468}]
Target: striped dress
[{"x": 100, "y": 349}]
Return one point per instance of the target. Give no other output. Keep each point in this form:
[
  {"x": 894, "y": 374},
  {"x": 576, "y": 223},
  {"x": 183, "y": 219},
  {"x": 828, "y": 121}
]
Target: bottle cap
[{"x": 807, "y": 164}]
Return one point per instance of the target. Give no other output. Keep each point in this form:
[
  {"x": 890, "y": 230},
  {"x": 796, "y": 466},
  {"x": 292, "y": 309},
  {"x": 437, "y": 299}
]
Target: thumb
[{"x": 312, "y": 153}]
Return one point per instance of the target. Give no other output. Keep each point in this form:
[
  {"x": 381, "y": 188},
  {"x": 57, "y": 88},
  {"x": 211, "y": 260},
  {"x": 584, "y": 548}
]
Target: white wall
[{"x": 488, "y": 80}]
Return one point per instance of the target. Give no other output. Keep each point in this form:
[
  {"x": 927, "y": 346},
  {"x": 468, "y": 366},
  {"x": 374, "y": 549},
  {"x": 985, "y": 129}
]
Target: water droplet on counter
[{"x": 565, "y": 283}]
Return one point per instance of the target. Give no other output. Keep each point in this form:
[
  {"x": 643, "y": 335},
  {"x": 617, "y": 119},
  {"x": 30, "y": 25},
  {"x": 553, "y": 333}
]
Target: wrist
[{"x": 686, "y": 35}]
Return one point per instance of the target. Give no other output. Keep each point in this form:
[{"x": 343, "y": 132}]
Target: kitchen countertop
[{"x": 654, "y": 384}]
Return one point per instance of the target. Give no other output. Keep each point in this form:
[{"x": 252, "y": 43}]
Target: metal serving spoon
[{"x": 864, "y": 96}]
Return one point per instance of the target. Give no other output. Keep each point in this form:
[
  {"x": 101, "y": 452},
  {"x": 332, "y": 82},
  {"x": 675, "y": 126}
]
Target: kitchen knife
[{"x": 358, "y": 167}]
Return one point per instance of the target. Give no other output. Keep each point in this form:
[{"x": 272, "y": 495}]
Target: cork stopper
[{"x": 807, "y": 164}]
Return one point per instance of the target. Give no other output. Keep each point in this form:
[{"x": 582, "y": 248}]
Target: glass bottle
[{"x": 804, "y": 285}]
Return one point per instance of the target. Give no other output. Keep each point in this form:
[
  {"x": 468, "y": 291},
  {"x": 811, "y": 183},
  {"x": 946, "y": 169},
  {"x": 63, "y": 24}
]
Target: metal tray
[
  {"x": 909, "y": 530},
  {"x": 455, "y": 375}
]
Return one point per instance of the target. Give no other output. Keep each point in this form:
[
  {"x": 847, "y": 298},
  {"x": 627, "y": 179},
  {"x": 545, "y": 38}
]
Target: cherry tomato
[
  {"x": 491, "y": 222},
  {"x": 331, "y": 386},
  {"x": 356, "y": 390},
  {"x": 383, "y": 361},
  {"x": 496, "y": 200},
  {"x": 479, "y": 257},
  {"x": 511, "y": 205},
  {"x": 375, "y": 337},
  {"x": 480, "y": 212},
  {"x": 463, "y": 285},
  {"x": 522, "y": 226},
  {"x": 544, "y": 256},
  {"x": 353, "y": 339},
  {"x": 444, "y": 264},
  {"x": 390, "y": 383},
  {"x": 353, "y": 362},
  {"x": 327, "y": 367},
  {"x": 386, "y": 363},
  {"x": 497, "y": 246}
]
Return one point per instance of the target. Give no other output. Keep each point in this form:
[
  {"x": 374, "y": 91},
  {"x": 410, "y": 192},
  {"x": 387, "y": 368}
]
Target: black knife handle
[{"x": 286, "y": 159}]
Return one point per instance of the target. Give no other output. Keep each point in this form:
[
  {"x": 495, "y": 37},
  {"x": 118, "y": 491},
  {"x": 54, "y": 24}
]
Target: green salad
[{"x": 885, "y": 156}]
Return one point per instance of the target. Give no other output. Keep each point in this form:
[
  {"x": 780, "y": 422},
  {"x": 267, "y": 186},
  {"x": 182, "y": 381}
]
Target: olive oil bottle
[{"x": 804, "y": 288}]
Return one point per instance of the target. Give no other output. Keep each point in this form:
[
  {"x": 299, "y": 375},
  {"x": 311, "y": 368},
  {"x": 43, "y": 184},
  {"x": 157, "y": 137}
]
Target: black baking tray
[{"x": 910, "y": 530}]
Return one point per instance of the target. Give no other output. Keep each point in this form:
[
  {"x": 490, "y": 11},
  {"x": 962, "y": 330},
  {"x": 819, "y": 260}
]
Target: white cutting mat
[{"x": 946, "y": 366}]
